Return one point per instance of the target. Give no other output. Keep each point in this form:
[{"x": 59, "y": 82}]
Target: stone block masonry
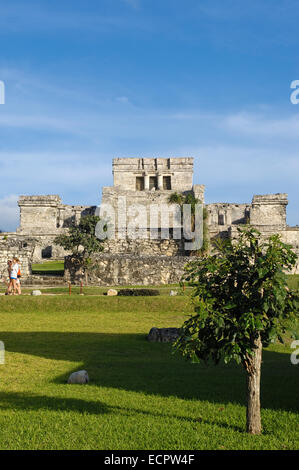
[
  {"x": 269, "y": 209},
  {"x": 128, "y": 269},
  {"x": 45, "y": 217},
  {"x": 133, "y": 174},
  {"x": 13, "y": 246}
]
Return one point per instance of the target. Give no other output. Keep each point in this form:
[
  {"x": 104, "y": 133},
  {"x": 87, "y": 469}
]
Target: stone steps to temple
[{"x": 50, "y": 281}]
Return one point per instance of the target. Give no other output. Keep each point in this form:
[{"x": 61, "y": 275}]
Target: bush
[{"x": 136, "y": 292}]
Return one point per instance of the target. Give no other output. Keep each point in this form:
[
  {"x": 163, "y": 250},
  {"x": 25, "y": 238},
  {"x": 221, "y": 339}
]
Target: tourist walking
[{"x": 14, "y": 269}]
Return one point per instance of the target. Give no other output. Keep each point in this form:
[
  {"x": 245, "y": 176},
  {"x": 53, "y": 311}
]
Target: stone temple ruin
[{"x": 125, "y": 261}]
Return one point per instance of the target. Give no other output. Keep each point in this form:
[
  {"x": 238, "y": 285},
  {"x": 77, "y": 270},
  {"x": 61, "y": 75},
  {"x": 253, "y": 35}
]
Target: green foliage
[
  {"x": 176, "y": 198},
  {"x": 239, "y": 294},
  {"x": 81, "y": 239}
]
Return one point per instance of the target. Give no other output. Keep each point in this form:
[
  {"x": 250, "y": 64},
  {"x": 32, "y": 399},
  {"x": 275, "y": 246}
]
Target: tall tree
[{"x": 242, "y": 303}]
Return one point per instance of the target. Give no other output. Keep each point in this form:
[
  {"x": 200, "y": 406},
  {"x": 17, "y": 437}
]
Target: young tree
[
  {"x": 81, "y": 240},
  {"x": 242, "y": 303}
]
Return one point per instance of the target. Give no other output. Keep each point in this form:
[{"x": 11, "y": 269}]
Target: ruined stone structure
[
  {"x": 42, "y": 218},
  {"x": 146, "y": 182},
  {"x": 147, "y": 260},
  {"x": 45, "y": 217},
  {"x": 14, "y": 246}
]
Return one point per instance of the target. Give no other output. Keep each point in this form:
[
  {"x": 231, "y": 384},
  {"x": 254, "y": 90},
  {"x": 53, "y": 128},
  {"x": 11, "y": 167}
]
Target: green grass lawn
[
  {"x": 49, "y": 267},
  {"x": 140, "y": 395},
  {"x": 95, "y": 290}
]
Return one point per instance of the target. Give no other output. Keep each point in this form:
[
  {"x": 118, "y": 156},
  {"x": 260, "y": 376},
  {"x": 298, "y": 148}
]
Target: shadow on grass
[
  {"x": 34, "y": 402},
  {"x": 129, "y": 362},
  {"x": 29, "y": 402}
]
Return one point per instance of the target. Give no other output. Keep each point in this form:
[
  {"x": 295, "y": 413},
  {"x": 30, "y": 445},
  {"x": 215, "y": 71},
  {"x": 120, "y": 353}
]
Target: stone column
[
  {"x": 160, "y": 181},
  {"x": 146, "y": 182},
  {"x": 228, "y": 218}
]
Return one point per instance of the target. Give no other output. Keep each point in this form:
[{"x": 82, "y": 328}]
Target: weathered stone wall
[
  {"x": 291, "y": 236},
  {"x": 13, "y": 246},
  {"x": 38, "y": 214},
  {"x": 221, "y": 216},
  {"x": 226, "y": 214},
  {"x": 122, "y": 206},
  {"x": 45, "y": 217},
  {"x": 144, "y": 247},
  {"x": 269, "y": 209},
  {"x": 180, "y": 171},
  {"x": 128, "y": 269},
  {"x": 45, "y": 248},
  {"x": 266, "y": 212}
]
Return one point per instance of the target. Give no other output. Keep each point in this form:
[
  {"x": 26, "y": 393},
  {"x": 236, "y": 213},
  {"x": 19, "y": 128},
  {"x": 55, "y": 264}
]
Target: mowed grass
[
  {"x": 49, "y": 267},
  {"x": 96, "y": 290},
  {"x": 140, "y": 395}
]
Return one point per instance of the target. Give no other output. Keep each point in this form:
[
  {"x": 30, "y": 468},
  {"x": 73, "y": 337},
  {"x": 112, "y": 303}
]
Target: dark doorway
[
  {"x": 139, "y": 183},
  {"x": 47, "y": 252},
  {"x": 153, "y": 182},
  {"x": 166, "y": 182}
]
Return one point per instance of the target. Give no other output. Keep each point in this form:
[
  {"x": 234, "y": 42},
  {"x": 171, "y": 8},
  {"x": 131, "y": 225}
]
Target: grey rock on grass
[
  {"x": 79, "y": 377},
  {"x": 36, "y": 292},
  {"x": 163, "y": 335}
]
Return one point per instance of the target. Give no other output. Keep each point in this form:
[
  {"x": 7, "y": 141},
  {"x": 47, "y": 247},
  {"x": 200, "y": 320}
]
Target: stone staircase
[{"x": 44, "y": 281}]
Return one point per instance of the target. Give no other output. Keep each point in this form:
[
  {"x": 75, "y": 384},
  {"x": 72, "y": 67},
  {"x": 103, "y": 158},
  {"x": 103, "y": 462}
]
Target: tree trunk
[{"x": 253, "y": 368}]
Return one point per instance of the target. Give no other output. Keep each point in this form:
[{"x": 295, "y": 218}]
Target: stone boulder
[
  {"x": 112, "y": 292},
  {"x": 79, "y": 377},
  {"x": 173, "y": 292},
  {"x": 163, "y": 335},
  {"x": 36, "y": 292}
]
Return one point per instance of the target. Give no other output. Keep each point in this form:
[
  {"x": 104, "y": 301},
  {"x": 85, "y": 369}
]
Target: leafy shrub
[{"x": 138, "y": 292}]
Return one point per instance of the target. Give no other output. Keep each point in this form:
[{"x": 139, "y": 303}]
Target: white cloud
[
  {"x": 257, "y": 124},
  {"x": 38, "y": 169},
  {"x": 9, "y": 213},
  {"x": 72, "y": 176},
  {"x": 236, "y": 150},
  {"x": 39, "y": 122},
  {"x": 260, "y": 125},
  {"x": 240, "y": 164}
]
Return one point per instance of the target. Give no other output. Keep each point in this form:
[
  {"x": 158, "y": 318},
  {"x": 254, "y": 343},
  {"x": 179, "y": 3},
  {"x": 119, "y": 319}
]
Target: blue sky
[{"x": 89, "y": 80}]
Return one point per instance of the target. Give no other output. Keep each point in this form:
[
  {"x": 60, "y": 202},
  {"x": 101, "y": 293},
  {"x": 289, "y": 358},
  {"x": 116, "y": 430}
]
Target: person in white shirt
[{"x": 14, "y": 275}]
